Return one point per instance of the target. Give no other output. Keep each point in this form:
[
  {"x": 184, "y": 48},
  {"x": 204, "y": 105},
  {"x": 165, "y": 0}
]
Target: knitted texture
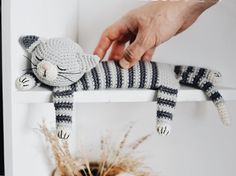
[
  {"x": 144, "y": 75},
  {"x": 61, "y": 64},
  {"x": 63, "y": 103},
  {"x": 108, "y": 75},
  {"x": 59, "y": 56},
  {"x": 204, "y": 79}
]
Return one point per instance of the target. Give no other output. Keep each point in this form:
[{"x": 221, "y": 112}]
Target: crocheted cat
[{"x": 61, "y": 64}]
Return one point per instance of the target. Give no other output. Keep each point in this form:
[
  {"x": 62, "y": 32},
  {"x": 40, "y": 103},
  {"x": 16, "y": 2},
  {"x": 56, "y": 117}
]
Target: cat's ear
[
  {"x": 88, "y": 61},
  {"x": 29, "y": 42}
]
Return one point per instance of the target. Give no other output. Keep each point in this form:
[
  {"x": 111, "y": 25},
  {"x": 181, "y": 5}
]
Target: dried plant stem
[
  {"x": 119, "y": 150},
  {"x": 55, "y": 148},
  {"x": 123, "y": 141},
  {"x": 104, "y": 156},
  {"x": 137, "y": 143},
  {"x": 85, "y": 160},
  {"x": 112, "y": 162},
  {"x": 71, "y": 166}
]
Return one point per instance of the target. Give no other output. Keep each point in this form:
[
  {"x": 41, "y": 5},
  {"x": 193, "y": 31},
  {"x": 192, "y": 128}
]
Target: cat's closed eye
[
  {"x": 38, "y": 58},
  {"x": 62, "y": 69}
]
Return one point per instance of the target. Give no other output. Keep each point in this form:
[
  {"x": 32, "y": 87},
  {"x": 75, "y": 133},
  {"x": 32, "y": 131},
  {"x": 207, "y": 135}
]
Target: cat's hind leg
[
  {"x": 166, "y": 98},
  {"x": 166, "y": 102}
]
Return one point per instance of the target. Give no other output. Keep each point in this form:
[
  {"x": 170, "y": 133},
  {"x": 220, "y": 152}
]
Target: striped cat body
[
  {"x": 164, "y": 78},
  {"x": 62, "y": 65},
  {"x": 106, "y": 75}
]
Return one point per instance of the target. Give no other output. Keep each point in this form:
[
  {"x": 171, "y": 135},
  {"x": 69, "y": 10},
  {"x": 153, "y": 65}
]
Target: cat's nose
[
  {"x": 47, "y": 70},
  {"x": 45, "y": 66}
]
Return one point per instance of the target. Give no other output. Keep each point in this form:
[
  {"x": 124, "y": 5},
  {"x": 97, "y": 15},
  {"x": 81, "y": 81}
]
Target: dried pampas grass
[{"x": 114, "y": 161}]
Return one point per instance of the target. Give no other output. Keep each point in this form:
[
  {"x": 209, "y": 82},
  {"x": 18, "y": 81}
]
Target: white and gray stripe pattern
[
  {"x": 148, "y": 75},
  {"x": 204, "y": 79},
  {"x": 61, "y": 64},
  {"x": 110, "y": 75}
]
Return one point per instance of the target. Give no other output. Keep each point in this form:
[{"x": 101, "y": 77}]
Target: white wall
[{"x": 199, "y": 144}]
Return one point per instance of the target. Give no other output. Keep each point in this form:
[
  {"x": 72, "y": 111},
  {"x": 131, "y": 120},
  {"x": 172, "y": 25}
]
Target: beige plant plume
[{"x": 114, "y": 161}]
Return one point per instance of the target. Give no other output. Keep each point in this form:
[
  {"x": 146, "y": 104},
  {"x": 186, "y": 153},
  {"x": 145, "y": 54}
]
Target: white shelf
[{"x": 186, "y": 94}]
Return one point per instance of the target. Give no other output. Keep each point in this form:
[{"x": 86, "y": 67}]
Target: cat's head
[{"x": 57, "y": 61}]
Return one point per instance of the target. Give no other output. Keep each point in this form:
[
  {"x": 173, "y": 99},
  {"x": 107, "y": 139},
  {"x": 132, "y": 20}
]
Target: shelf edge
[{"x": 106, "y": 96}]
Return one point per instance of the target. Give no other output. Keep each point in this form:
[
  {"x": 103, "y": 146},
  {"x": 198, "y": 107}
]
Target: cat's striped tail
[{"x": 205, "y": 80}]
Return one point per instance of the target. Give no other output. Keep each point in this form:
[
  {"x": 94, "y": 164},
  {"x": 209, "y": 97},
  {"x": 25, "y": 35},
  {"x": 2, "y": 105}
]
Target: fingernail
[
  {"x": 124, "y": 63},
  {"x": 97, "y": 58},
  {"x": 146, "y": 58}
]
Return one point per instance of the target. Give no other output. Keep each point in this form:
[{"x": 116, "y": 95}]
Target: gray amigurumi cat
[{"x": 61, "y": 64}]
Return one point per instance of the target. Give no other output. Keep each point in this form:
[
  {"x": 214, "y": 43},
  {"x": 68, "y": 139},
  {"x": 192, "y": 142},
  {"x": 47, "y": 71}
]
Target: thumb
[{"x": 134, "y": 51}]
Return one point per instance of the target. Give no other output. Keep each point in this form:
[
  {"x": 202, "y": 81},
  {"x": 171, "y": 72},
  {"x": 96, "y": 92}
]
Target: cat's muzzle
[{"x": 47, "y": 70}]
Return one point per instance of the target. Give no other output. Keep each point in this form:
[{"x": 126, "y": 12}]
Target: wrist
[
  {"x": 199, "y": 4},
  {"x": 195, "y": 8}
]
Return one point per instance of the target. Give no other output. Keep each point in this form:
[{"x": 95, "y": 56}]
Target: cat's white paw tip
[
  {"x": 25, "y": 82},
  {"x": 63, "y": 134},
  {"x": 163, "y": 129},
  {"x": 214, "y": 77}
]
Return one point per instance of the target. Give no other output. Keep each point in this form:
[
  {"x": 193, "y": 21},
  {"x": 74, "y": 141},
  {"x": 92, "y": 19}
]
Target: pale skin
[{"x": 137, "y": 34}]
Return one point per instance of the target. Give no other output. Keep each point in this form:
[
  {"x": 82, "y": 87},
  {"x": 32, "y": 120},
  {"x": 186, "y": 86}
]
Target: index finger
[{"x": 111, "y": 34}]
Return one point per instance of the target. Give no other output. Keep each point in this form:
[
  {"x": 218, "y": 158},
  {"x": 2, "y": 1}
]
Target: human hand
[{"x": 147, "y": 27}]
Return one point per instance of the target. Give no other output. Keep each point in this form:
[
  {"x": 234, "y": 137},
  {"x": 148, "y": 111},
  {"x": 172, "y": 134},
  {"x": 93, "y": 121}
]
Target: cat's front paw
[
  {"x": 25, "y": 82},
  {"x": 163, "y": 128}
]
